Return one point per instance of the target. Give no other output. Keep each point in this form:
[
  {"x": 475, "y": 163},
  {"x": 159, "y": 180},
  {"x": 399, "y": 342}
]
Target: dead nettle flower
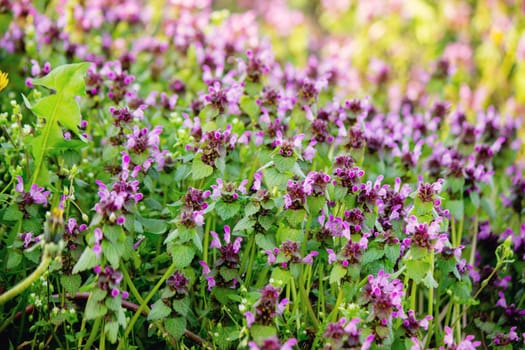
[
  {"x": 215, "y": 144},
  {"x": 466, "y": 344},
  {"x": 315, "y": 183},
  {"x": 370, "y": 194},
  {"x": 289, "y": 252},
  {"x": 273, "y": 343},
  {"x": 35, "y": 195},
  {"x": 287, "y": 147},
  {"x": 409, "y": 158},
  {"x": 513, "y": 314},
  {"x": 94, "y": 81},
  {"x": 475, "y": 175},
  {"x": 356, "y": 138},
  {"x": 319, "y": 126},
  {"x": 123, "y": 116},
  {"x": 111, "y": 203},
  {"x": 228, "y": 192},
  {"x": 267, "y": 307},
  {"x": 223, "y": 98},
  {"x": 428, "y": 192},
  {"x": 344, "y": 334},
  {"x": 229, "y": 251},
  {"x": 516, "y": 198},
  {"x": 485, "y": 152},
  {"x": 295, "y": 197},
  {"x": 119, "y": 80},
  {"x": 258, "y": 63},
  {"x": 29, "y": 239},
  {"x": 335, "y": 227},
  {"x": 384, "y": 297},
  {"x": 350, "y": 254},
  {"x": 72, "y": 233},
  {"x": 378, "y": 71},
  {"x": 269, "y": 98},
  {"x": 392, "y": 205},
  {"x": 195, "y": 199},
  {"x": 164, "y": 101},
  {"x": 37, "y": 72},
  {"x": 424, "y": 235},
  {"x": 178, "y": 283},
  {"x": 502, "y": 339},
  {"x": 109, "y": 279},
  {"x": 412, "y": 325}
]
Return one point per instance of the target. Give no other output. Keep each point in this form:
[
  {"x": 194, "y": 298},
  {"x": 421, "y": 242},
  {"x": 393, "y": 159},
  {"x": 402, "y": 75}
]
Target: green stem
[
  {"x": 252, "y": 250},
  {"x": 20, "y": 287},
  {"x": 430, "y": 300},
  {"x": 102, "y": 342},
  {"x": 306, "y": 301},
  {"x": 143, "y": 304},
  {"x": 93, "y": 334},
  {"x": 132, "y": 287},
  {"x": 413, "y": 293}
]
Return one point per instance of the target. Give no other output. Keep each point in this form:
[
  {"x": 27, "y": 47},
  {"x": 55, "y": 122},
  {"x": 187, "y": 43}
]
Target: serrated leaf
[
  {"x": 283, "y": 164},
  {"x": 337, "y": 274},
  {"x": 249, "y": 106},
  {"x": 182, "y": 255},
  {"x": 228, "y": 274},
  {"x": 200, "y": 170},
  {"x": 227, "y": 210},
  {"x": 264, "y": 242},
  {"x": 273, "y": 178},
  {"x": 112, "y": 252},
  {"x": 159, "y": 311},
  {"x": 429, "y": 281},
  {"x": 417, "y": 270},
  {"x": 244, "y": 224},
  {"x": 12, "y": 213},
  {"x": 372, "y": 254},
  {"x": 155, "y": 226},
  {"x": 95, "y": 308},
  {"x": 175, "y": 327},
  {"x": 392, "y": 252},
  {"x": 60, "y": 108},
  {"x": 111, "y": 329},
  {"x": 181, "y": 306},
  {"x": 295, "y": 217},
  {"x": 315, "y": 204},
  {"x": 71, "y": 283},
  {"x": 87, "y": 260}
]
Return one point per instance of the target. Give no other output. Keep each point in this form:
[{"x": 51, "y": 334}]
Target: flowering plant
[{"x": 172, "y": 176}]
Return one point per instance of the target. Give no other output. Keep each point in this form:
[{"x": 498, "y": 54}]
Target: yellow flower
[{"x": 3, "y": 80}]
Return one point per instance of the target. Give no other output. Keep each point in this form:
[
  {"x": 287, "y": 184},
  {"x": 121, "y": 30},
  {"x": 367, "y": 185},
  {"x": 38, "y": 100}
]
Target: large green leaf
[{"x": 58, "y": 109}]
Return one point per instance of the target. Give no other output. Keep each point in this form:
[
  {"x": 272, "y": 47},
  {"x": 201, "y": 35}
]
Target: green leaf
[
  {"x": 111, "y": 329},
  {"x": 337, "y": 274},
  {"x": 229, "y": 274},
  {"x": 244, "y": 224},
  {"x": 273, "y": 178},
  {"x": 279, "y": 274},
  {"x": 114, "y": 233},
  {"x": 12, "y": 213},
  {"x": 71, "y": 283},
  {"x": 417, "y": 269},
  {"x": 249, "y": 106},
  {"x": 181, "y": 306},
  {"x": 251, "y": 208},
  {"x": 58, "y": 109},
  {"x": 392, "y": 252},
  {"x": 112, "y": 252},
  {"x": 95, "y": 308},
  {"x": 285, "y": 233},
  {"x": 264, "y": 242},
  {"x": 283, "y": 164},
  {"x": 200, "y": 170},
  {"x": 260, "y": 333},
  {"x": 295, "y": 217},
  {"x": 175, "y": 327},
  {"x": 159, "y": 311},
  {"x": 315, "y": 204},
  {"x": 227, "y": 210},
  {"x": 87, "y": 260},
  {"x": 429, "y": 281},
  {"x": 456, "y": 208},
  {"x": 182, "y": 255},
  {"x": 372, "y": 254},
  {"x": 155, "y": 226}
]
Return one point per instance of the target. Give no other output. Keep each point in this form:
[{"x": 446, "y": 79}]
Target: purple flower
[
  {"x": 295, "y": 198},
  {"x": 178, "y": 283},
  {"x": 273, "y": 343},
  {"x": 466, "y": 344},
  {"x": 109, "y": 279},
  {"x": 383, "y": 296},
  {"x": 343, "y": 335},
  {"x": 229, "y": 250},
  {"x": 315, "y": 183},
  {"x": 268, "y": 306},
  {"x": 36, "y": 195}
]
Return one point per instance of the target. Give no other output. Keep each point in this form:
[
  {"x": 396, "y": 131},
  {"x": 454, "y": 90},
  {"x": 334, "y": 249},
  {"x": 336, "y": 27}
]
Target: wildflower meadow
[{"x": 302, "y": 174}]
